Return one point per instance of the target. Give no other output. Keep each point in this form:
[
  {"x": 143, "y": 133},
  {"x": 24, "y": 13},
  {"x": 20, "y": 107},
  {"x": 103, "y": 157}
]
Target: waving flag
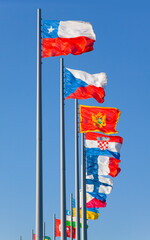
[
  {"x": 99, "y": 119},
  {"x": 46, "y": 237},
  {"x": 98, "y": 144},
  {"x": 92, "y": 202},
  {"x": 64, "y": 37},
  {"x": 82, "y": 85},
  {"x": 91, "y": 213},
  {"x": 68, "y": 221},
  {"x": 68, "y": 230},
  {"x": 102, "y": 165},
  {"x": 100, "y": 185}
]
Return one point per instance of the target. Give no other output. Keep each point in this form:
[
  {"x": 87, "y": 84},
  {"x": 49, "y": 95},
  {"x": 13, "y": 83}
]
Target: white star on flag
[{"x": 50, "y": 29}]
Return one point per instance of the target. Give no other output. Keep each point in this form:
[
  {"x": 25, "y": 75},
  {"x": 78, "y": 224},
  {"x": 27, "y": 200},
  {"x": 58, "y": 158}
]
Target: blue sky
[{"x": 122, "y": 51}]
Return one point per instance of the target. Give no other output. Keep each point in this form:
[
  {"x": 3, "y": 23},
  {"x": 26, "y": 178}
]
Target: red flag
[
  {"x": 68, "y": 230},
  {"x": 98, "y": 119}
]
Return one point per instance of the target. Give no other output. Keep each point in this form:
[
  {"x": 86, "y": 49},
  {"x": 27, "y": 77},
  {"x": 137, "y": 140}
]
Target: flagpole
[
  {"x": 43, "y": 230},
  {"x": 32, "y": 235},
  {"x": 39, "y": 180},
  {"x": 77, "y": 173},
  {"x": 71, "y": 211},
  {"x": 62, "y": 153},
  {"x": 54, "y": 226},
  {"x": 83, "y": 183}
]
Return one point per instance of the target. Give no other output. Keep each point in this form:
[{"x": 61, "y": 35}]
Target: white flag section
[
  {"x": 103, "y": 165},
  {"x": 111, "y": 146},
  {"x": 101, "y": 185},
  {"x": 72, "y": 29},
  {"x": 97, "y": 80}
]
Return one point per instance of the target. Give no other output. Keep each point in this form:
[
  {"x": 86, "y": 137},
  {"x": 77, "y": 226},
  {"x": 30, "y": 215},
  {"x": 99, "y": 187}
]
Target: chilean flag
[
  {"x": 82, "y": 85},
  {"x": 64, "y": 37}
]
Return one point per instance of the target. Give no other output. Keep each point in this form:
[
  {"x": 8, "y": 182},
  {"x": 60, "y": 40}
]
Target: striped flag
[
  {"x": 82, "y": 85},
  {"x": 64, "y": 37}
]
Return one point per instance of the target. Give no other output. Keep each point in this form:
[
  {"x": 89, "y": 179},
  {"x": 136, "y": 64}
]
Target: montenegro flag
[{"x": 98, "y": 119}]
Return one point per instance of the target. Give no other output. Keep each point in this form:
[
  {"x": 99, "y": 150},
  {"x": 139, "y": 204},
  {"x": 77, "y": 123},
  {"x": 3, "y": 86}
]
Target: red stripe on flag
[
  {"x": 114, "y": 167},
  {"x": 89, "y": 92},
  {"x": 63, "y": 46},
  {"x": 96, "y": 203},
  {"x": 94, "y": 136}
]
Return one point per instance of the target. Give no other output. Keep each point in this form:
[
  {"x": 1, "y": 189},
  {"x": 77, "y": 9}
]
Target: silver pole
[
  {"x": 39, "y": 180},
  {"x": 43, "y": 230},
  {"x": 32, "y": 235},
  {"x": 20, "y": 237},
  {"x": 71, "y": 210},
  {"x": 77, "y": 197},
  {"x": 54, "y": 227},
  {"x": 62, "y": 153},
  {"x": 83, "y": 181}
]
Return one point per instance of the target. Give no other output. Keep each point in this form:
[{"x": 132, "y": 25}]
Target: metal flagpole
[
  {"x": 43, "y": 230},
  {"x": 77, "y": 197},
  {"x": 83, "y": 182},
  {"x": 20, "y": 237},
  {"x": 62, "y": 153},
  {"x": 54, "y": 227},
  {"x": 32, "y": 235},
  {"x": 39, "y": 180},
  {"x": 71, "y": 210}
]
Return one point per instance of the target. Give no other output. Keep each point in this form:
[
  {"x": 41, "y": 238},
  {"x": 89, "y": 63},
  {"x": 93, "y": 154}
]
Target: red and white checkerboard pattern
[{"x": 103, "y": 145}]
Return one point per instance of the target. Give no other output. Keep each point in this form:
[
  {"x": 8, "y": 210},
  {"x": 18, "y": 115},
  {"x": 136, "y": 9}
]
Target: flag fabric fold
[
  {"x": 82, "y": 85},
  {"x": 103, "y": 165},
  {"x": 100, "y": 185},
  {"x": 64, "y": 37},
  {"x": 68, "y": 221},
  {"x": 92, "y": 202},
  {"x": 98, "y": 144},
  {"x": 68, "y": 230},
  {"x": 91, "y": 213},
  {"x": 98, "y": 119}
]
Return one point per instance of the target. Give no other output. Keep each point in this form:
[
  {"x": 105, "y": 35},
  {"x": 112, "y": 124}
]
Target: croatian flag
[
  {"x": 98, "y": 144},
  {"x": 100, "y": 185},
  {"x": 64, "y": 37},
  {"x": 102, "y": 165},
  {"x": 82, "y": 85}
]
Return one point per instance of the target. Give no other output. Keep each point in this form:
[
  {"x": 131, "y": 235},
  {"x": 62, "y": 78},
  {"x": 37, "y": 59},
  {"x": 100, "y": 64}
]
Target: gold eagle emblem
[{"x": 99, "y": 120}]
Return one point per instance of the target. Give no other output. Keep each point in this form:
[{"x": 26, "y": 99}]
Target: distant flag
[
  {"x": 99, "y": 119},
  {"x": 100, "y": 185},
  {"x": 92, "y": 202},
  {"x": 98, "y": 144},
  {"x": 82, "y": 85},
  {"x": 68, "y": 229},
  {"x": 46, "y": 237},
  {"x": 68, "y": 221},
  {"x": 91, "y": 213},
  {"x": 64, "y": 37}
]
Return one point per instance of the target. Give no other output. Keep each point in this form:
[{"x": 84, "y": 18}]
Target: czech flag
[
  {"x": 98, "y": 119},
  {"x": 82, "y": 85},
  {"x": 64, "y": 37}
]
